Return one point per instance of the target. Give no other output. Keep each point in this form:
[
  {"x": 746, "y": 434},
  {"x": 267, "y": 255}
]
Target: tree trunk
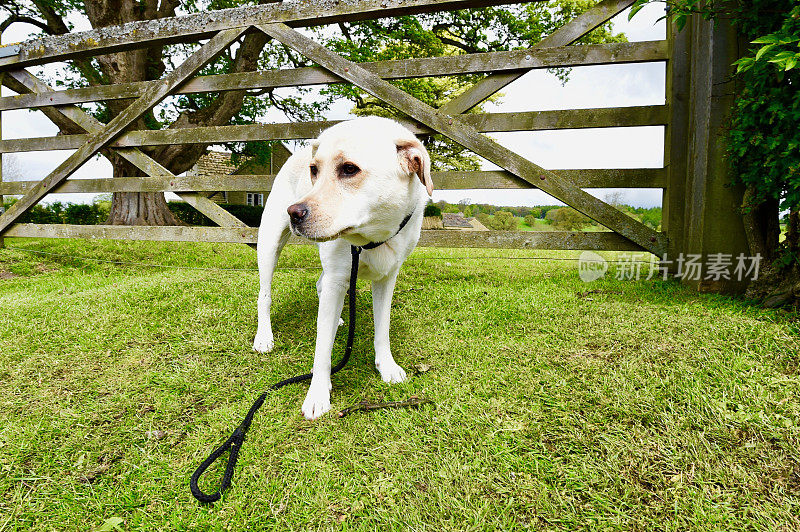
[
  {"x": 761, "y": 225},
  {"x": 778, "y": 283},
  {"x": 137, "y": 208}
]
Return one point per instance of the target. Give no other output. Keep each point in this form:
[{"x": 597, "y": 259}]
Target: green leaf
[
  {"x": 766, "y": 39},
  {"x": 790, "y": 63},
  {"x": 111, "y": 524},
  {"x": 743, "y": 64},
  {"x": 764, "y": 49},
  {"x": 637, "y": 6},
  {"x": 680, "y": 21}
]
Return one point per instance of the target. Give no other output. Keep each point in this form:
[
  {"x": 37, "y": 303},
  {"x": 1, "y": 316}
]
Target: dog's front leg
[
  {"x": 331, "y": 301},
  {"x": 272, "y": 236},
  {"x": 382, "y": 292}
]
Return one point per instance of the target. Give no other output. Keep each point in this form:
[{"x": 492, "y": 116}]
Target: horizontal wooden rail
[
  {"x": 430, "y": 238},
  {"x": 584, "y": 178},
  {"x": 491, "y": 179},
  {"x": 598, "y": 241},
  {"x": 650, "y": 115},
  {"x": 562, "y": 56},
  {"x": 194, "y": 27}
]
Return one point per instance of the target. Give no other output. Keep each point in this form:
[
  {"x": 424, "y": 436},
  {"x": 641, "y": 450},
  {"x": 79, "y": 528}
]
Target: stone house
[
  {"x": 218, "y": 163},
  {"x": 459, "y": 222}
]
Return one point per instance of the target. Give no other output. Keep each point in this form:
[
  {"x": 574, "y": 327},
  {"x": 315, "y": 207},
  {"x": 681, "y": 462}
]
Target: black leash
[{"x": 234, "y": 443}]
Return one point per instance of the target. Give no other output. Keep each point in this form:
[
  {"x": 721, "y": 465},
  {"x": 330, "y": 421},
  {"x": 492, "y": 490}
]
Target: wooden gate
[{"x": 223, "y": 28}]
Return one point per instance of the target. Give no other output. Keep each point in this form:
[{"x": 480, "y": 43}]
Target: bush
[
  {"x": 82, "y": 214},
  {"x": 58, "y": 213},
  {"x": 249, "y": 214},
  {"x": 40, "y": 214},
  {"x": 504, "y": 221},
  {"x": 188, "y": 214},
  {"x": 567, "y": 218},
  {"x": 531, "y": 220},
  {"x": 433, "y": 210}
]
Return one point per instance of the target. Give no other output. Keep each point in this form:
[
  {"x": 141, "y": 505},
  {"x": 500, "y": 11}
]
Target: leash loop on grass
[{"x": 234, "y": 443}]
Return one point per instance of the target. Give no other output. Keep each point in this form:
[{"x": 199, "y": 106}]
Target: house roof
[
  {"x": 477, "y": 225},
  {"x": 214, "y": 163},
  {"x": 219, "y": 163},
  {"x": 455, "y": 220}
]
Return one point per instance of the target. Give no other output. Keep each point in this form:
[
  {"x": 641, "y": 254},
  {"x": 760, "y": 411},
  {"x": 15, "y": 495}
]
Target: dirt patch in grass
[{"x": 45, "y": 268}]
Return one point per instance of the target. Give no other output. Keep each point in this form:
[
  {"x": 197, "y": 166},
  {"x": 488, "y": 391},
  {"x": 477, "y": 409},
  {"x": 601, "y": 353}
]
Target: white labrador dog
[{"x": 355, "y": 184}]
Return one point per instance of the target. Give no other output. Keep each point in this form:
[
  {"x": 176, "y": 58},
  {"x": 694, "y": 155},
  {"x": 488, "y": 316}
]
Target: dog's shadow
[{"x": 294, "y": 324}]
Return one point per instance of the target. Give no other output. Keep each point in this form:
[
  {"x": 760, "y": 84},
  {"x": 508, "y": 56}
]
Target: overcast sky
[{"x": 591, "y": 86}]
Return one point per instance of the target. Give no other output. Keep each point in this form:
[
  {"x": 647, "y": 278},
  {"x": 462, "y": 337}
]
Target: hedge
[{"x": 249, "y": 214}]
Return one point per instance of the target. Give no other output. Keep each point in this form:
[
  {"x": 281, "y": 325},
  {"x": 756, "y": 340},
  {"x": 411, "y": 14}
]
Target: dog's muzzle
[{"x": 298, "y": 214}]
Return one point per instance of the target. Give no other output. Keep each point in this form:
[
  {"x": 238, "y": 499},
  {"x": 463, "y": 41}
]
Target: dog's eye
[
  {"x": 313, "y": 169},
  {"x": 349, "y": 169}
]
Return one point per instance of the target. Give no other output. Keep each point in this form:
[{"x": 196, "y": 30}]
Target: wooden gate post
[
  {"x": 676, "y": 142},
  {"x": 712, "y": 207},
  {"x": 2, "y": 240}
]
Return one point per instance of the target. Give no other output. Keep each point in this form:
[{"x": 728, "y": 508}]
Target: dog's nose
[{"x": 297, "y": 212}]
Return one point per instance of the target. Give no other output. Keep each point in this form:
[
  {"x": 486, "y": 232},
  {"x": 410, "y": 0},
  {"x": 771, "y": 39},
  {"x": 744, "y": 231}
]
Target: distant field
[
  {"x": 541, "y": 225},
  {"x": 558, "y": 405}
]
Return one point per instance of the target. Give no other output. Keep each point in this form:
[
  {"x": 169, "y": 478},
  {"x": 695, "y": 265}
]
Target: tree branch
[
  {"x": 345, "y": 31},
  {"x": 438, "y": 31},
  {"x": 54, "y": 21},
  {"x": 180, "y": 158},
  {"x": 57, "y": 26},
  {"x": 26, "y": 20}
]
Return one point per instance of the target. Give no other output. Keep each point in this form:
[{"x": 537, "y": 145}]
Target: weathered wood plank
[
  {"x": 590, "y": 178},
  {"x": 165, "y": 183},
  {"x": 99, "y": 140},
  {"x": 649, "y": 115},
  {"x": 563, "y": 56},
  {"x": 191, "y": 28},
  {"x": 430, "y": 238},
  {"x": 238, "y": 235},
  {"x": 598, "y": 241},
  {"x": 2, "y": 242},
  {"x": 567, "y": 34},
  {"x": 70, "y": 116},
  {"x": 713, "y": 218},
  {"x": 490, "y": 179},
  {"x": 677, "y": 139},
  {"x": 456, "y": 129}
]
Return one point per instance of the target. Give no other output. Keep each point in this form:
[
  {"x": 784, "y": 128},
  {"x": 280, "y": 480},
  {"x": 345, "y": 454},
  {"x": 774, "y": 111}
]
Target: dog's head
[{"x": 366, "y": 176}]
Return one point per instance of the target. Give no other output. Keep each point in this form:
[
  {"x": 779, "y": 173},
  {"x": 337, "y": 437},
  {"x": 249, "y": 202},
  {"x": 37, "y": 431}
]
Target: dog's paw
[
  {"x": 263, "y": 343},
  {"x": 391, "y": 372},
  {"x": 317, "y": 402}
]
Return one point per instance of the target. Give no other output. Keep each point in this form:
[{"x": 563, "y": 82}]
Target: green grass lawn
[
  {"x": 539, "y": 225},
  {"x": 558, "y": 405}
]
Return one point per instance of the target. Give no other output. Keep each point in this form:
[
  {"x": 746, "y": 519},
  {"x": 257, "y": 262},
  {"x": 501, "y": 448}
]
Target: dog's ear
[{"x": 414, "y": 158}]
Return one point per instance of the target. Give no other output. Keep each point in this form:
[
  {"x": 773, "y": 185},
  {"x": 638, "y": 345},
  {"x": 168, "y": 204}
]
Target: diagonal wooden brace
[
  {"x": 567, "y": 34},
  {"x": 103, "y": 137},
  {"x": 23, "y": 82},
  {"x": 457, "y": 130}
]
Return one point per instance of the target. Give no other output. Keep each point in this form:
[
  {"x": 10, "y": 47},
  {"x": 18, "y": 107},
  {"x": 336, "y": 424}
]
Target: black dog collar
[{"x": 373, "y": 245}]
